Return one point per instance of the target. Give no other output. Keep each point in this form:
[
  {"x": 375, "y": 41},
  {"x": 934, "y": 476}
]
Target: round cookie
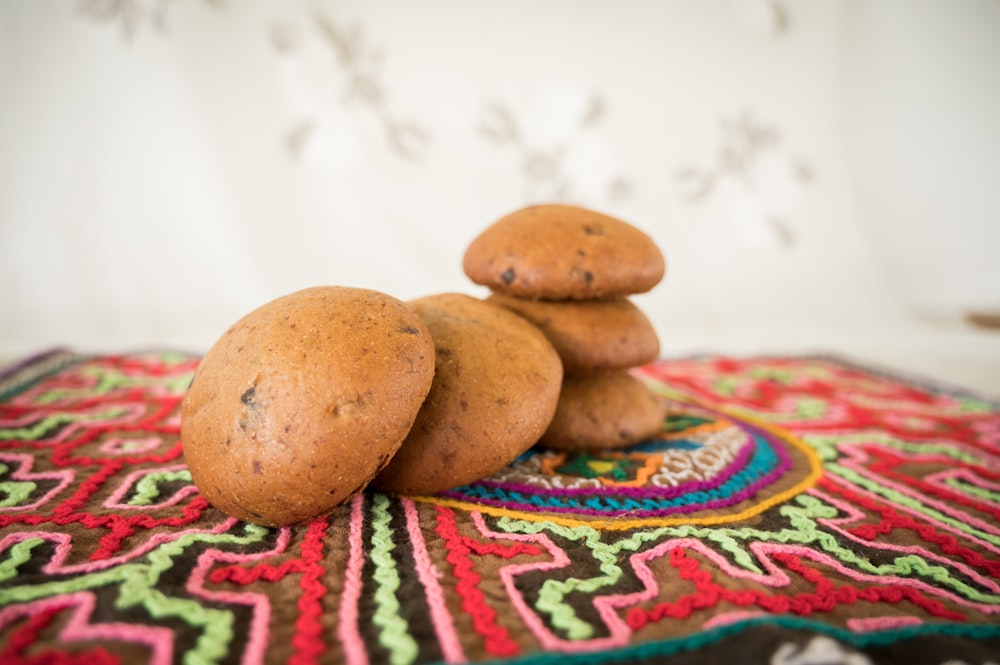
[
  {"x": 495, "y": 388},
  {"x": 603, "y": 410},
  {"x": 561, "y": 252},
  {"x": 590, "y": 335},
  {"x": 302, "y": 401}
]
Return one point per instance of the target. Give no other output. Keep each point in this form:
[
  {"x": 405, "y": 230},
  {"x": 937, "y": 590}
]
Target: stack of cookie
[
  {"x": 308, "y": 399},
  {"x": 570, "y": 271}
]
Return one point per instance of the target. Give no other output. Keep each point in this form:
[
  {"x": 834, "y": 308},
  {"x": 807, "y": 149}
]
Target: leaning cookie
[
  {"x": 302, "y": 401},
  {"x": 495, "y": 388},
  {"x": 562, "y": 252},
  {"x": 590, "y": 335},
  {"x": 604, "y": 410}
]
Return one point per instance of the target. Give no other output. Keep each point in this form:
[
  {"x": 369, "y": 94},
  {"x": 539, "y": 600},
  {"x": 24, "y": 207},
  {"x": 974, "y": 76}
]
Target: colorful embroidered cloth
[{"x": 794, "y": 511}]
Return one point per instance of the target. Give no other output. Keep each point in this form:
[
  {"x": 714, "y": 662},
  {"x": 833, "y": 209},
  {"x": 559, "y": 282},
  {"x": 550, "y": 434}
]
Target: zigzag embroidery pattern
[{"x": 882, "y": 532}]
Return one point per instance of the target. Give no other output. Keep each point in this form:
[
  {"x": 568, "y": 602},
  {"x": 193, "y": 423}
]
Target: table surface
[{"x": 794, "y": 510}]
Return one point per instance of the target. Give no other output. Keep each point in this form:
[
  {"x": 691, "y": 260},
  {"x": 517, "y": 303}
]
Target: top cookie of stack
[
  {"x": 562, "y": 252},
  {"x": 569, "y": 271}
]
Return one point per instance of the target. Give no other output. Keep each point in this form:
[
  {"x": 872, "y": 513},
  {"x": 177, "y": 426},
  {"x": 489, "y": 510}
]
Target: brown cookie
[
  {"x": 301, "y": 402},
  {"x": 605, "y": 410},
  {"x": 590, "y": 335},
  {"x": 495, "y": 389},
  {"x": 561, "y": 252}
]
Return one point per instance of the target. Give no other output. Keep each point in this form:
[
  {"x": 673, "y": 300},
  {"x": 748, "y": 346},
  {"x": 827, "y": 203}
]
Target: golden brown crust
[
  {"x": 495, "y": 389},
  {"x": 590, "y": 335},
  {"x": 301, "y": 402},
  {"x": 561, "y": 252},
  {"x": 604, "y": 410}
]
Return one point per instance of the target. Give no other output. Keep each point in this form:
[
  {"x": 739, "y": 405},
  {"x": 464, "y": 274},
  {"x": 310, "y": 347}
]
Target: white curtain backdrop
[{"x": 821, "y": 174}]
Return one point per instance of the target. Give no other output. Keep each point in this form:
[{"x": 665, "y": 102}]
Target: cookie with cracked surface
[
  {"x": 563, "y": 252},
  {"x": 302, "y": 401},
  {"x": 590, "y": 335},
  {"x": 606, "y": 410},
  {"x": 495, "y": 389}
]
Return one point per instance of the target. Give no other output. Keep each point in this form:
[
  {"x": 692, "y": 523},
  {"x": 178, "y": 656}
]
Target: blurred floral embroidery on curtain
[
  {"x": 131, "y": 15},
  {"x": 360, "y": 84},
  {"x": 751, "y": 172},
  {"x": 546, "y": 163}
]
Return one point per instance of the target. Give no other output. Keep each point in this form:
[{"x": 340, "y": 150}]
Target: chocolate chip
[
  {"x": 248, "y": 396},
  {"x": 508, "y": 276},
  {"x": 576, "y": 273}
]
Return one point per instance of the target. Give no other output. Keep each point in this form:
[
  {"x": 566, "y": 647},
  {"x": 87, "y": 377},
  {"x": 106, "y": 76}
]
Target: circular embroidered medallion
[{"x": 707, "y": 467}]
